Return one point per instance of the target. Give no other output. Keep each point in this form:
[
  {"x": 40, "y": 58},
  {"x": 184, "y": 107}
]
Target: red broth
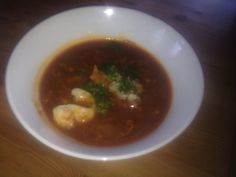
[{"x": 119, "y": 125}]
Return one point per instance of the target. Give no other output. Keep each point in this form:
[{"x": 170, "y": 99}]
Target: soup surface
[{"x": 105, "y": 92}]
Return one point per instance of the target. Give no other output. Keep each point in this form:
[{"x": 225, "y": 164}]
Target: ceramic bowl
[{"x": 157, "y": 37}]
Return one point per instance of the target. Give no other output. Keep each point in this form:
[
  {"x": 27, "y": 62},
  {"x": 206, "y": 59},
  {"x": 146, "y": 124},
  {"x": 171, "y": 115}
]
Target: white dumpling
[
  {"x": 66, "y": 116},
  {"x": 82, "y": 97}
]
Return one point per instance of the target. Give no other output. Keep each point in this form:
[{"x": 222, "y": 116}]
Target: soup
[{"x": 105, "y": 92}]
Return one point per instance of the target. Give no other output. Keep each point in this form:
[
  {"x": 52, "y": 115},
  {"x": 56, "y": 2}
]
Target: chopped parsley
[
  {"x": 112, "y": 72},
  {"x": 101, "y": 96},
  {"x": 124, "y": 76},
  {"x": 126, "y": 85}
]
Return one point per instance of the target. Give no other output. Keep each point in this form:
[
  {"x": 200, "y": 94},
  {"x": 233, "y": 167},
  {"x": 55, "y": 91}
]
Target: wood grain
[{"x": 205, "y": 149}]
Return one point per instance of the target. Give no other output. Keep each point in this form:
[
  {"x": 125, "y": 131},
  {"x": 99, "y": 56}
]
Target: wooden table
[{"x": 205, "y": 149}]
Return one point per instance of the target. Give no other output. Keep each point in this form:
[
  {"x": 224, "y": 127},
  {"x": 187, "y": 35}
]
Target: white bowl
[{"x": 173, "y": 51}]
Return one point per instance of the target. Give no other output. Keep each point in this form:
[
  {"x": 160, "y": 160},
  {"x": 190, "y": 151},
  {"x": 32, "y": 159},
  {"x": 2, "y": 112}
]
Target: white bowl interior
[{"x": 157, "y": 37}]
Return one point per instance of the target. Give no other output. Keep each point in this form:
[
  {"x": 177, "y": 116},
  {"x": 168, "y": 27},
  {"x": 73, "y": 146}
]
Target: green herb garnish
[
  {"x": 100, "y": 94},
  {"x": 126, "y": 85},
  {"x": 112, "y": 72},
  {"x": 124, "y": 76}
]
